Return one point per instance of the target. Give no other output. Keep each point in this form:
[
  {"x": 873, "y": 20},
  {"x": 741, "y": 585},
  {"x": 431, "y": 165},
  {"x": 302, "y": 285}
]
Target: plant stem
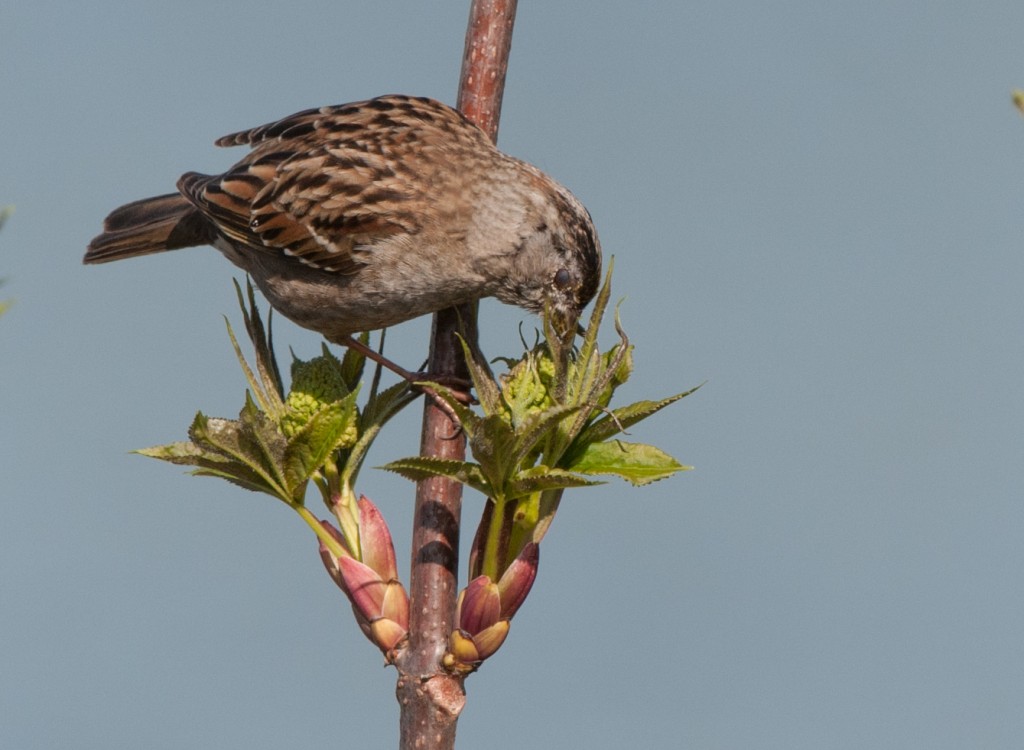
[
  {"x": 430, "y": 698},
  {"x": 314, "y": 523},
  {"x": 496, "y": 544}
]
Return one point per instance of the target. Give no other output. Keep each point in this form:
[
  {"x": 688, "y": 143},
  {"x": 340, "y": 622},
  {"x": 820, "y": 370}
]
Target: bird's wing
[
  {"x": 324, "y": 184},
  {"x": 307, "y": 205}
]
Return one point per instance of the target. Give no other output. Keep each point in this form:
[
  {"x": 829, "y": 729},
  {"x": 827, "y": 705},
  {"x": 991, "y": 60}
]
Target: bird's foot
[{"x": 458, "y": 387}]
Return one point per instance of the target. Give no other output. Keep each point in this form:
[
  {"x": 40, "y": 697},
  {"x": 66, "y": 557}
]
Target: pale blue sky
[{"x": 815, "y": 207}]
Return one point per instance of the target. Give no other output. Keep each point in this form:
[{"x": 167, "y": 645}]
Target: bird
[{"x": 360, "y": 216}]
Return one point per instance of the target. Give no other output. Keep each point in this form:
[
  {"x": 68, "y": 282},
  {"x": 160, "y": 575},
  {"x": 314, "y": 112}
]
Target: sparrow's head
[{"x": 557, "y": 261}]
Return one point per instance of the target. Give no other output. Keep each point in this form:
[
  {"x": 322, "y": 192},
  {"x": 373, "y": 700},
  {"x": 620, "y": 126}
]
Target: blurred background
[{"x": 816, "y": 208}]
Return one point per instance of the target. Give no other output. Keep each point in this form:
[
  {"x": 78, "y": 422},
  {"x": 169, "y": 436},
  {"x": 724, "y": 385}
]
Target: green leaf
[
  {"x": 267, "y": 389},
  {"x": 254, "y": 385},
  {"x": 625, "y": 417},
  {"x": 596, "y": 377},
  {"x": 377, "y": 411},
  {"x": 619, "y": 367},
  {"x": 589, "y": 345},
  {"x": 211, "y": 464},
  {"x": 486, "y": 386},
  {"x": 184, "y": 453},
  {"x": 492, "y": 446},
  {"x": 262, "y": 437},
  {"x": 541, "y": 478},
  {"x": 352, "y": 363},
  {"x": 331, "y": 428},
  {"x": 251, "y": 445},
  {"x": 233, "y": 475},
  {"x": 382, "y": 406},
  {"x": 584, "y": 371},
  {"x": 418, "y": 468},
  {"x": 535, "y": 430},
  {"x": 637, "y": 463}
]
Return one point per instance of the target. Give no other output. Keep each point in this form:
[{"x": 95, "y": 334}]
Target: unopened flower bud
[
  {"x": 517, "y": 580},
  {"x": 376, "y": 547},
  {"x": 315, "y": 384}
]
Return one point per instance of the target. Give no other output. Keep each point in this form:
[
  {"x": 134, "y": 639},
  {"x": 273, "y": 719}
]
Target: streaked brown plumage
[{"x": 363, "y": 215}]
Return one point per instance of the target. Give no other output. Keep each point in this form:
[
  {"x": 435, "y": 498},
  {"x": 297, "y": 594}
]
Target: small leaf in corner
[{"x": 637, "y": 463}]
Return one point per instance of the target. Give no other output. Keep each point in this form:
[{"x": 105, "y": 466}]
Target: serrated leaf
[
  {"x": 618, "y": 363},
  {"x": 263, "y": 344},
  {"x": 526, "y": 387},
  {"x": 535, "y": 429},
  {"x": 269, "y": 388},
  {"x": 584, "y": 372},
  {"x": 255, "y": 385},
  {"x": 184, "y": 453},
  {"x": 637, "y": 463},
  {"x": 625, "y": 417},
  {"x": 541, "y": 478},
  {"x": 262, "y": 437},
  {"x": 353, "y": 362},
  {"x": 333, "y": 427},
  {"x": 378, "y": 410},
  {"x": 598, "y": 377},
  {"x": 483, "y": 379},
  {"x": 237, "y": 475},
  {"x": 418, "y": 468},
  {"x": 211, "y": 464},
  {"x": 246, "y": 454},
  {"x": 589, "y": 345},
  {"x": 385, "y": 404},
  {"x": 491, "y": 445}
]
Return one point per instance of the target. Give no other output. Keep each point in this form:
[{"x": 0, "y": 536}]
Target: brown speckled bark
[{"x": 431, "y": 699}]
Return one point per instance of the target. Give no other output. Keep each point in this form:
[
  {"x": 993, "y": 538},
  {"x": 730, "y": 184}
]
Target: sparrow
[{"x": 359, "y": 216}]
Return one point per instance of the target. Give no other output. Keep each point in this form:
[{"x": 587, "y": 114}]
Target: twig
[{"x": 430, "y": 698}]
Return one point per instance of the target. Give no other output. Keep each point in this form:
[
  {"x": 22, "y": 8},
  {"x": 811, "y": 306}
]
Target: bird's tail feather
[{"x": 152, "y": 225}]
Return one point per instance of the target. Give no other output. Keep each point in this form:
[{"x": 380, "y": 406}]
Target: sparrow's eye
[{"x": 562, "y": 278}]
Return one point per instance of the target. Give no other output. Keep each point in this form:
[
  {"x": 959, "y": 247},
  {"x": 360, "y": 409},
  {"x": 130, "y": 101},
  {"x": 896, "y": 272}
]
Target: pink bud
[
  {"x": 396, "y": 604},
  {"x": 462, "y": 649},
  {"x": 386, "y": 634},
  {"x": 363, "y": 586},
  {"x": 466, "y": 652},
  {"x": 479, "y": 605},
  {"x": 381, "y": 607},
  {"x": 490, "y": 639},
  {"x": 329, "y": 560},
  {"x": 378, "y": 552},
  {"x": 518, "y": 579},
  {"x": 476, "y": 551},
  {"x": 329, "y": 528}
]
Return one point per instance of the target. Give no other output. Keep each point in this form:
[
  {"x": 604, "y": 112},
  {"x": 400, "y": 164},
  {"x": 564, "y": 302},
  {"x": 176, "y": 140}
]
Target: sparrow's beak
[{"x": 566, "y": 324}]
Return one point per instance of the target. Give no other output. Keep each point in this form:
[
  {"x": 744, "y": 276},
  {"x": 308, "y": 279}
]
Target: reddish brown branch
[
  {"x": 485, "y": 62},
  {"x": 430, "y": 698}
]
